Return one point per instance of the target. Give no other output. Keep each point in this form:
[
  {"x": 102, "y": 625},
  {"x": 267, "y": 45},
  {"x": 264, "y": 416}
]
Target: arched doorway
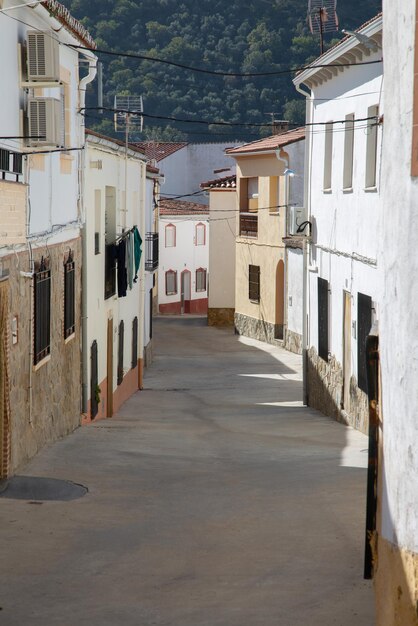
[{"x": 279, "y": 321}]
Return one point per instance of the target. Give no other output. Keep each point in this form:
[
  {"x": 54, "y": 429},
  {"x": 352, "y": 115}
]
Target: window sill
[
  {"x": 69, "y": 338},
  {"x": 327, "y": 191},
  {"x": 370, "y": 189},
  {"x": 274, "y": 213},
  {"x": 38, "y": 366},
  {"x": 347, "y": 190}
]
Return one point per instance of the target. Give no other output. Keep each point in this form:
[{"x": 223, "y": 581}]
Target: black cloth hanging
[{"x": 122, "y": 274}]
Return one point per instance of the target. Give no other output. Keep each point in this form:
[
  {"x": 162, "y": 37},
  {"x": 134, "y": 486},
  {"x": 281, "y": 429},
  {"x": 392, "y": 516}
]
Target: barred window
[
  {"x": 42, "y": 310},
  {"x": 69, "y": 297},
  {"x": 200, "y": 279},
  {"x": 170, "y": 282},
  {"x": 200, "y": 237},
  {"x": 254, "y": 283},
  {"x": 170, "y": 236}
]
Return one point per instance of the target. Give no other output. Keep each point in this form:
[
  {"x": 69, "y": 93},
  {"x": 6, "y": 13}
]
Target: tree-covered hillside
[{"x": 243, "y": 36}]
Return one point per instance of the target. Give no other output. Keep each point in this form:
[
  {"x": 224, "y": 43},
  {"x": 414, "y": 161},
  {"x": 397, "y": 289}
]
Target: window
[
  {"x": 323, "y": 318},
  {"x": 42, "y": 306},
  {"x": 364, "y": 324},
  {"x": 200, "y": 279},
  {"x": 328, "y": 156},
  {"x": 170, "y": 236},
  {"x": 348, "y": 151},
  {"x": 254, "y": 283},
  {"x": 134, "y": 360},
  {"x": 371, "y": 147},
  {"x": 120, "y": 351},
  {"x": 200, "y": 236},
  {"x": 69, "y": 297},
  {"x": 97, "y": 220},
  {"x": 94, "y": 381},
  {"x": 170, "y": 283},
  {"x": 110, "y": 237},
  {"x": 249, "y": 194}
]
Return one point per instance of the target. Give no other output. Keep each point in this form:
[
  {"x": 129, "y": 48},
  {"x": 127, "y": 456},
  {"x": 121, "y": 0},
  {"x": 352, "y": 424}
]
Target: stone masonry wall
[
  {"x": 325, "y": 392},
  {"x": 254, "y": 328},
  {"x": 220, "y": 317},
  {"x": 56, "y": 383},
  {"x": 293, "y": 342}
]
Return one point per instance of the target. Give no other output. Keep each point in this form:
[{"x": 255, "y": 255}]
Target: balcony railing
[
  {"x": 248, "y": 224},
  {"x": 151, "y": 255}
]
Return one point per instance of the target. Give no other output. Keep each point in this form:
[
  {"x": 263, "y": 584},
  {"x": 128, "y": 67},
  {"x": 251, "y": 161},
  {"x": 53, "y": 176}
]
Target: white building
[
  {"x": 343, "y": 193},
  {"x": 184, "y": 257},
  {"x": 44, "y": 80},
  {"x": 113, "y": 288},
  {"x": 396, "y": 544}
]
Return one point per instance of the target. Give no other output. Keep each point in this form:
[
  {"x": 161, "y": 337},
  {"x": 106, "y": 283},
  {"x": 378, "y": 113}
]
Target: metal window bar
[
  {"x": 94, "y": 381},
  {"x": 42, "y": 311},
  {"x": 248, "y": 225},
  {"x": 323, "y": 318},
  {"x": 69, "y": 297},
  {"x": 120, "y": 351},
  {"x": 254, "y": 283},
  {"x": 17, "y": 161},
  {"x": 151, "y": 259},
  {"x": 134, "y": 361}
]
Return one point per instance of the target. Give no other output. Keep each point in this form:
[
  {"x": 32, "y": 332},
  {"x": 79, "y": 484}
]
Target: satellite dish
[
  {"x": 322, "y": 18},
  {"x": 128, "y": 113}
]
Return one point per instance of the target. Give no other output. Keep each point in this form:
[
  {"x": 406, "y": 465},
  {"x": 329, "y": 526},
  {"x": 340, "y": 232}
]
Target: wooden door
[{"x": 109, "y": 403}]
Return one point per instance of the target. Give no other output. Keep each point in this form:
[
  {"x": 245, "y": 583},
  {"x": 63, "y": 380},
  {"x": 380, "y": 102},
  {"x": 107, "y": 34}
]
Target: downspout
[
  {"x": 82, "y": 217},
  {"x": 306, "y": 251}
]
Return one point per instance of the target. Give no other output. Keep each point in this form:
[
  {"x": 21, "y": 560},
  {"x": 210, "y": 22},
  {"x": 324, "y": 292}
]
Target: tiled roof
[
  {"x": 227, "y": 182},
  {"x": 180, "y": 207},
  {"x": 159, "y": 150},
  {"x": 270, "y": 143},
  {"x": 62, "y": 14}
]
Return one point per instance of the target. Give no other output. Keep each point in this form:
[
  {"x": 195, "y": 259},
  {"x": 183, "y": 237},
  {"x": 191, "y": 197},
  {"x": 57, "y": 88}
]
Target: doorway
[
  {"x": 186, "y": 285},
  {"x": 279, "y": 305},
  {"x": 109, "y": 410},
  {"x": 346, "y": 349}
]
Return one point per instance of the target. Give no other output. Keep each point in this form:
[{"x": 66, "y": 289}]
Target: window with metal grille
[
  {"x": 200, "y": 279},
  {"x": 4, "y": 160},
  {"x": 134, "y": 361},
  {"x": 364, "y": 324},
  {"x": 170, "y": 283},
  {"x": 323, "y": 318},
  {"x": 200, "y": 237},
  {"x": 42, "y": 313},
  {"x": 69, "y": 296},
  {"x": 254, "y": 283},
  {"x": 120, "y": 351},
  {"x": 170, "y": 236},
  {"x": 94, "y": 381}
]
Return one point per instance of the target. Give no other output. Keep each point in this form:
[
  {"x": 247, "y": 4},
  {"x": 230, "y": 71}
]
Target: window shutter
[
  {"x": 120, "y": 352},
  {"x": 134, "y": 361},
  {"x": 254, "y": 283},
  {"x": 364, "y": 324},
  {"x": 94, "y": 382},
  {"x": 323, "y": 318}
]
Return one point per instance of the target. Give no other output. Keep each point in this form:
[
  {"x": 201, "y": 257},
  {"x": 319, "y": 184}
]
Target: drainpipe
[
  {"x": 82, "y": 217},
  {"x": 307, "y": 203}
]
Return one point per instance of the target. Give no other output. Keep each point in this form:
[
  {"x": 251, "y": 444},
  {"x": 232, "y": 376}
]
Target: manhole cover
[{"x": 36, "y": 488}]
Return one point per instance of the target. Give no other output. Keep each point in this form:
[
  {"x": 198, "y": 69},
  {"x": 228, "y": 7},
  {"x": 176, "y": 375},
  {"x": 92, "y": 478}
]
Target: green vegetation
[{"x": 239, "y": 36}]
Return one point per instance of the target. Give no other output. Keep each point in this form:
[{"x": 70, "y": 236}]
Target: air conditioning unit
[
  {"x": 297, "y": 215},
  {"x": 45, "y": 122},
  {"x": 42, "y": 56}
]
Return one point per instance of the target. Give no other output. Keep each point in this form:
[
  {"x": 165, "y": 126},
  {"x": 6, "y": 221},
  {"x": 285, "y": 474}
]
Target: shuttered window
[
  {"x": 120, "y": 351},
  {"x": 323, "y": 332},
  {"x": 94, "y": 381},
  {"x": 170, "y": 282},
  {"x": 134, "y": 361},
  {"x": 42, "y": 310},
  {"x": 254, "y": 283},
  {"x": 200, "y": 279},
  {"x": 69, "y": 297},
  {"x": 364, "y": 324}
]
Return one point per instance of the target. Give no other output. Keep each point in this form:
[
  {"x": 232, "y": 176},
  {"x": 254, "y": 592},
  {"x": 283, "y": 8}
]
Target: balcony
[
  {"x": 248, "y": 225},
  {"x": 151, "y": 252}
]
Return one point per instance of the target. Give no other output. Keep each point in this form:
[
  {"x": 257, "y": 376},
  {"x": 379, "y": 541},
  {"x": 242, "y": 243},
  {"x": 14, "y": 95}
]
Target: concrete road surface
[{"x": 214, "y": 499}]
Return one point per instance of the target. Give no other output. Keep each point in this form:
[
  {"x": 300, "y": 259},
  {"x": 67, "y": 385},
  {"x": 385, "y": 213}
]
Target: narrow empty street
[{"x": 213, "y": 499}]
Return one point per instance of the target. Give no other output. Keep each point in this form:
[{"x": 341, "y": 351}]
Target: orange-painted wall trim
[{"x": 130, "y": 385}]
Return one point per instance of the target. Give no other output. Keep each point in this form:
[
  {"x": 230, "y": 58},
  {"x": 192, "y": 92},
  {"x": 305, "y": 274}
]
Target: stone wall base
[
  {"x": 148, "y": 354},
  {"x": 396, "y": 585},
  {"x": 325, "y": 393},
  {"x": 220, "y": 317},
  {"x": 293, "y": 342},
  {"x": 254, "y": 328}
]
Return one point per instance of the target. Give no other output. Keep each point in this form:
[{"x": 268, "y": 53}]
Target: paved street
[{"x": 214, "y": 499}]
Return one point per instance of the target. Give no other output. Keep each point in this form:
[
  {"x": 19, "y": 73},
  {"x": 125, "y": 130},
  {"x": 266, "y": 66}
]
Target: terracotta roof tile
[
  {"x": 227, "y": 182},
  {"x": 159, "y": 150},
  {"x": 180, "y": 207},
  {"x": 62, "y": 14},
  {"x": 270, "y": 143}
]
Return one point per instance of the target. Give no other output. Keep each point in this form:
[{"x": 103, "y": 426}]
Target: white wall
[
  {"x": 295, "y": 290},
  {"x": 398, "y": 245},
  {"x": 184, "y": 256}
]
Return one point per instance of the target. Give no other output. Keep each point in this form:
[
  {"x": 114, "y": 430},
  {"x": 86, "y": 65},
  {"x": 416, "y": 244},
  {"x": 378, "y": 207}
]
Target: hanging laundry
[
  {"x": 122, "y": 275},
  {"x": 129, "y": 259},
  {"x": 137, "y": 251}
]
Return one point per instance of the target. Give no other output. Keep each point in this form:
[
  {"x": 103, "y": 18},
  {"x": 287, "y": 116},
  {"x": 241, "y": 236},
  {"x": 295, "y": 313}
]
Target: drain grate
[{"x": 37, "y": 489}]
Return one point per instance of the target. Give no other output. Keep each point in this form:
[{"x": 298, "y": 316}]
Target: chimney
[{"x": 280, "y": 127}]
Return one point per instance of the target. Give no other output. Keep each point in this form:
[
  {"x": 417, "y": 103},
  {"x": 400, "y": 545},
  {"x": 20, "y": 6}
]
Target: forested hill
[{"x": 236, "y": 36}]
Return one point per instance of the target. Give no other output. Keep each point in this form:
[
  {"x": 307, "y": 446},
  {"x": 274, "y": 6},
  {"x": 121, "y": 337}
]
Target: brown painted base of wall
[
  {"x": 325, "y": 393},
  {"x": 220, "y": 317},
  {"x": 194, "y": 307},
  {"x": 140, "y": 373},
  {"x": 125, "y": 390},
  {"x": 396, "y": 586}
]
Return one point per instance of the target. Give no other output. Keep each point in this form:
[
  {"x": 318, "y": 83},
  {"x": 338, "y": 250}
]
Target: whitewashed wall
[{"x": 295, "y": 290}]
